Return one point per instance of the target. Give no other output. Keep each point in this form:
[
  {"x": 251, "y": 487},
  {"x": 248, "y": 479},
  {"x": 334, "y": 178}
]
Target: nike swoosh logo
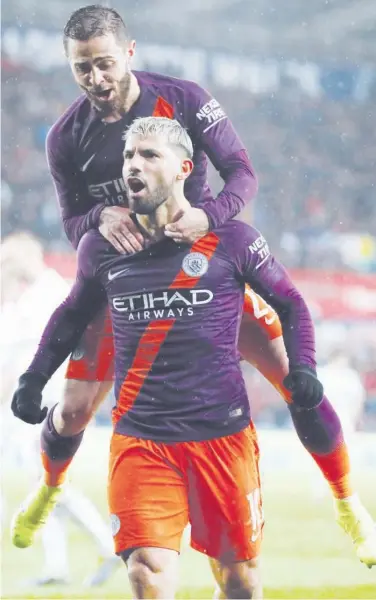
[
  {"x": 84, "y": 167},
  {"x": 112, "y": 276}
]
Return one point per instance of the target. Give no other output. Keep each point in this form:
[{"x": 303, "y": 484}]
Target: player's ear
[
  {"x": 131, "y": 50},
  {"x": 186, "y": 168}
]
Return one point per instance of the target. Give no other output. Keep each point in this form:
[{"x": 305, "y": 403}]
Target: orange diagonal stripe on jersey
[
  {"x": 147, "y": 350},
  {"x": 154, "y": 336},
  {"x": 207, "y": 246}
]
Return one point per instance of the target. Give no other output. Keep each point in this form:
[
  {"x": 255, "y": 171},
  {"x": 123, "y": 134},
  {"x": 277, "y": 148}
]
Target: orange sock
[
  {"x": 55, "y": 471},
  {"x": 335, "y": 467}
]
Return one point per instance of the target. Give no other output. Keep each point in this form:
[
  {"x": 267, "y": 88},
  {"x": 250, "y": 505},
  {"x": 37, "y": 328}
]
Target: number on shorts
[
  {"x": 257, "y": 513},
  {"x": 261, "y": 312}
]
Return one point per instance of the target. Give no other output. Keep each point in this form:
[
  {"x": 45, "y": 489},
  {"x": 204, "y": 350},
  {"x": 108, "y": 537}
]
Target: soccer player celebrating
[
  {"x": 183, "y": 446},
  {"x": 84, "y": 151}
]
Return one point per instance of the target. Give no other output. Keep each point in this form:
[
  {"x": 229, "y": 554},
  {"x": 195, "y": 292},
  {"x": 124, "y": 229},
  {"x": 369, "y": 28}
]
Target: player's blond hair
[{"x": 170, "y": 129}]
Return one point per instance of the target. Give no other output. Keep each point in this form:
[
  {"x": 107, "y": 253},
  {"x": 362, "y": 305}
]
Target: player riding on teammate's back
[
  {"x": 182, "y": 433},
  {"x": 183, "y": 440},
  {"x": 84, "y": 151}
]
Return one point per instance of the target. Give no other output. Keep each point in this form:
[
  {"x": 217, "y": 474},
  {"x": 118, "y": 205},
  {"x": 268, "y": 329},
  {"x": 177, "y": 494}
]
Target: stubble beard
[
  {"x": 118, "y": 104},
  {"x": 149, "y": 204}
]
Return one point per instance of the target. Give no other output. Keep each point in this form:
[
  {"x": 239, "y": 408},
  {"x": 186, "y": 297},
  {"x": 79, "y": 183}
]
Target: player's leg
[
  {"x": 152, "y": 572},
  {"x": 89, "y": 379},
  {"x": 261, "y": 344},
  {"x": 64, "y": 427},
  {"x": 226, "y": 510},
  {"x": 319, "y": 429},
  {"x": 58, "y": 452},
  {"x": 149, "y": 510},
  {"x": 236, "y": 578}
]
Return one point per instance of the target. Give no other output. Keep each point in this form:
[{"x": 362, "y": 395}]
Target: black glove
[
  {"x": 306, "y": 390},
  {"x": 27, "y": 399}
]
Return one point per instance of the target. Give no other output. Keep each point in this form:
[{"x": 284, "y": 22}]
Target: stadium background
[{"x": 299, "y": 82}]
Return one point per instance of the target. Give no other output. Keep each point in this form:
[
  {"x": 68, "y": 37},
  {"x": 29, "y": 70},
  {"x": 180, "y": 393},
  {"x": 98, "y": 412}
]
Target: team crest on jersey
[{"x": 195, "y": 264}]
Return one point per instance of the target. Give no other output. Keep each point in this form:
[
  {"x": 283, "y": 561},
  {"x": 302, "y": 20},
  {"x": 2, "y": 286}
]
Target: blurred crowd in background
[
  {"x": 311, "y": 139},
  {"x": 315, "y": 159}
]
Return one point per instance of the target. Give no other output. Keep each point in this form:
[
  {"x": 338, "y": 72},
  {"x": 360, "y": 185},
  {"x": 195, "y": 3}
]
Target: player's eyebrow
[
  {"x": 150, "y": 151},
  {"x": 106, "y": 57},
  {"x": 130, "y": 151},
  {"x": 95, "y": 60}
]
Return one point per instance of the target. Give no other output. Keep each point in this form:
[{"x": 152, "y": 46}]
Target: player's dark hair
[{"x": 93, "y": 21}]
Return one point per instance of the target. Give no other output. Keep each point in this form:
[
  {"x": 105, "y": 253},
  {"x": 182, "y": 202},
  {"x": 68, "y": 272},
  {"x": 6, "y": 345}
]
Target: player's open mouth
[
  {"x": 103, "y": 94},
  {"x": 135, "y": 184}
]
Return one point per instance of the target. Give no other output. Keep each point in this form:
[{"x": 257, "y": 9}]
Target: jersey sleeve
[
  {"x": 69, "y": 321},
  {"x": 212, "y": 131},
  {"x": 78, "y": 214},
  {"x": 255, "y": 265}
]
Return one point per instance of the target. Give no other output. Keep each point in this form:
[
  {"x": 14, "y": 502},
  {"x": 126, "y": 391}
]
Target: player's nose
[
  {"x": 134, "y": 165},
  {"x": 97, "y": 77},
  {"x": 130, "y": 170}
]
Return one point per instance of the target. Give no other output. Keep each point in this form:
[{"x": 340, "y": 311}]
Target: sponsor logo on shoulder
[
  {"x": 195, "y": 264},
  {"x": 211, "y": 113},
  {"x": 261, "y": 248}
]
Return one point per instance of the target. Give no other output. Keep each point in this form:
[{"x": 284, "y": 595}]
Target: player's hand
[
  {"x": 188, "y": 225},
  {"x": 27, "y": 399},
  {"x": 116, "y": 225},
  {"x": 306, "y": 390}
]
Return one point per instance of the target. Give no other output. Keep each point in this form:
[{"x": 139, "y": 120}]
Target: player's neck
[
  {"x": 155, "y": 223},
  {"x": 131, "y": 99}
]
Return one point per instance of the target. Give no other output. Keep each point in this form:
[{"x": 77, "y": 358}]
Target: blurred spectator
[{"x": 345, "y": 388}]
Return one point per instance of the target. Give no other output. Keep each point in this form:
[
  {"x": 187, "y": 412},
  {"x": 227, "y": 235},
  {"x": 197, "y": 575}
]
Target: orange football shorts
[{"x": 155, "y": 489}]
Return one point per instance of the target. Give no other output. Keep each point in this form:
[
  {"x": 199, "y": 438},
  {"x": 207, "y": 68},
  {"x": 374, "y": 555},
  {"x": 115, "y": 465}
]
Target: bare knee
[
  {"x": 152, "y": 572},
  {"x": 240, "y": 579},
  {"x": 79, "y": 403}
]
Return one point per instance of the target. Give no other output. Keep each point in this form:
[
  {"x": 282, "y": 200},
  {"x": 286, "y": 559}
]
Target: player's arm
[
  {"x": 256, "y": 266},
  {"x": 60, "y": 337},
  {"x": 213, "y": 132},
  {"x": 77, "y": 210}
]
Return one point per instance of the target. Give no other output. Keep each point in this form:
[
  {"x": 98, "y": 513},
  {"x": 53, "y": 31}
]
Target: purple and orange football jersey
[{"x": 176, "y": 311}]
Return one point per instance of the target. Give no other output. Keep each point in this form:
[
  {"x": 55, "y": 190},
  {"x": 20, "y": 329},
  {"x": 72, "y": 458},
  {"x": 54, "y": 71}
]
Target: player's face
[
  {"x": 101, "y": 68},
  {"x": 151, "y": 171}
]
